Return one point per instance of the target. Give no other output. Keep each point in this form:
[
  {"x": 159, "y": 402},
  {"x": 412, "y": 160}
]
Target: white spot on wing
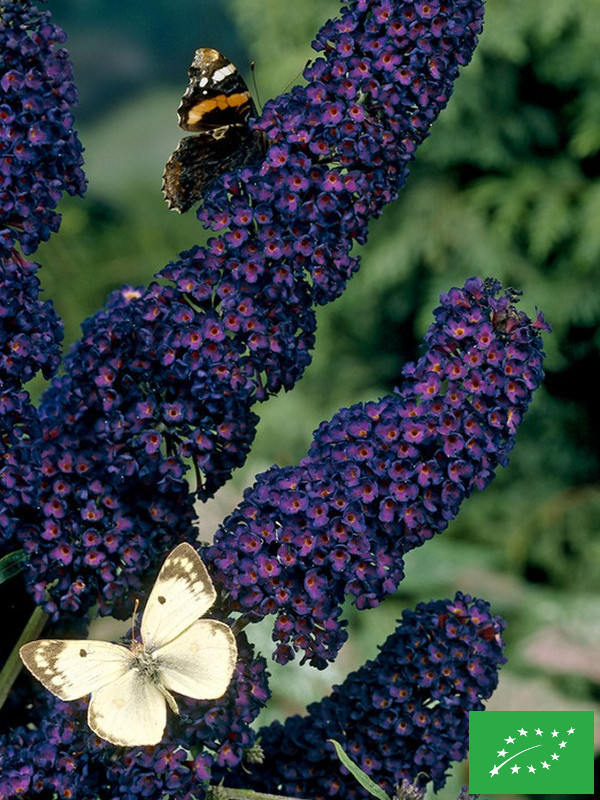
[{"x": 222, "y": 73}]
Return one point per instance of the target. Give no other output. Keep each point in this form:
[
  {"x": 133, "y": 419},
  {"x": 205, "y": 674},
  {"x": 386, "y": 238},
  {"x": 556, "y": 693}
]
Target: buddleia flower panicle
[
  {"x": 381, "y": 478},
  {"x": 340, "y": 146},
  {"x": 30, "y": 337},
  {"x": 40, "y": 154},
  {"x": 40, "y": 158},
  {"x": 403, "y": 716},
  {"x": 167, "y": 375}
]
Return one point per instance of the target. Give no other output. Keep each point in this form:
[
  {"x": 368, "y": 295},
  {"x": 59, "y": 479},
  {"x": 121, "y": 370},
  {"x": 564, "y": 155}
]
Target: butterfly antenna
[
  {"x": 294, "y": 80},
  {"x": 255, "y": 87}
]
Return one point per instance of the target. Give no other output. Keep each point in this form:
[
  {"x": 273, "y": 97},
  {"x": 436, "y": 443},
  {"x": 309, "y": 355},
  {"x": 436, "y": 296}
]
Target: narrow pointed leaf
[
  {"x": 11, "y": 564},
  {"x": 358, "y": 773}
]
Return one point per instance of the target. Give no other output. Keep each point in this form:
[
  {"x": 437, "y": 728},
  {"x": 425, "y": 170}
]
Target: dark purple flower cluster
[
  {"x": 30, "y": 329},
  {"x": 166, "y": 376},
  {"x": 403, "y": 715},
  {"x": 30, "y": 335},
  {"x": 51, "y": 759},
  {"x": 59, "y": 754},
  {"x": 382, "y": 477},
  {"x": 108, "y": 505},
  {"x": 148, "y": 387},
  {"x": 40, "y": 154},
  {"x": 340, "y": 146}
]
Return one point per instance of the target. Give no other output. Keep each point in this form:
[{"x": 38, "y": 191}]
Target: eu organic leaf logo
[{"x": 533, "y": 752}]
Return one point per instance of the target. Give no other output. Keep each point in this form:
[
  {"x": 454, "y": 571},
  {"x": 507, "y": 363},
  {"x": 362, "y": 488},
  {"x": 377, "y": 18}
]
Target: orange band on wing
[{"x": 221, "y": 101}]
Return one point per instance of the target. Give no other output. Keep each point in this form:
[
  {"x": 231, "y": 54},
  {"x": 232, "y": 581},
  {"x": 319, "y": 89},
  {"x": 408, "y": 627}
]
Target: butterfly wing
[
  {"x": 72, "y": 668},
  {"x": 199, "y": 663},
  {"x": 129, "y": 711},
  {"x": 199, "y": 160},
  {"x": 217, "y": 105},
  {"x": 183, "y": 592},
  {"x": 190, "y": 169},
  {"x": 216, "y": 96}
]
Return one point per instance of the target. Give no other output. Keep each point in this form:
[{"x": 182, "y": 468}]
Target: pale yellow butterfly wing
[
  {"x": 199, "y": 663},
  {"x": 183, "y": 592},
  {"x": 72, "y": 668},
  {"x": 129, "y": 711},
  {"x": 187, "y": 655}
]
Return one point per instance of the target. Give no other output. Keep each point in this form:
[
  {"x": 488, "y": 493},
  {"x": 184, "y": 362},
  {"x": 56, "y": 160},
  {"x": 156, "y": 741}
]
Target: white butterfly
[{"x": 131, "y": 687}]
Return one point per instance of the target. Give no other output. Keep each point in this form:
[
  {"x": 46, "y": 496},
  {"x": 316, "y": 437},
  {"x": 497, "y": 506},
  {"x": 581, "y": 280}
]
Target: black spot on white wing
[
  {"x": 188, "y": 594},
  {"x": 74, "y": 668}
]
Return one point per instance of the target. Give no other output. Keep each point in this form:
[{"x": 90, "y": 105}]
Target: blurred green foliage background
[{"x": 507, "y": 185}]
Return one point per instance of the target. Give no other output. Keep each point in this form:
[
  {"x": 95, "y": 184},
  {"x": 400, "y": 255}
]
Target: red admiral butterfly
[{"x": 217, "y": 105}]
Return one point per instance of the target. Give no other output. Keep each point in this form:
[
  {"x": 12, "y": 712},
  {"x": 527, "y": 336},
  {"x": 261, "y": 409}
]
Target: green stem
[
  {"x": 250, "y": 794},
  {"x": 13, "y": 664}
]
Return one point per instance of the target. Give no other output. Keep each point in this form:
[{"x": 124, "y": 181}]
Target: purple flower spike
[
  {"x": 40, "y": 154},
  {"x": 341, "y": 145},
  {"x": 30, "y": 329},
  {"x": 402, "y": 716},
  {"x": 30, "y": 337},
  {"x": 383, "y": 477}
]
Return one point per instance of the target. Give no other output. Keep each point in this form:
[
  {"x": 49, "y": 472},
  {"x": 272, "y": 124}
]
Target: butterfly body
[
  {"x": 130, "y": 687},
  {"x": 216, "y": 106},
  {"x": 148, "y": 664}
]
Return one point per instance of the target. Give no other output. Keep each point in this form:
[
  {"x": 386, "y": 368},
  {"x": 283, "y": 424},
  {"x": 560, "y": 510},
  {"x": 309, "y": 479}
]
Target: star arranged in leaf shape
[
  {"x": 523, "y": 732},
  {"x": 495, "y": 770},
  {"x": 545, "y": 765},
  {"x": 531, "y": 768},
  {"x": 514, "y": 768},
  {"x": 571, "y": 730},
  {"x": 554, "y": 756},
  {"x": 510, "y": 740},
  {"x": 554, "y": 733},
  {"x": 562, "y": 744},
  {"x": 501, "y": 753},
  {"x": 538, "y": 732}
]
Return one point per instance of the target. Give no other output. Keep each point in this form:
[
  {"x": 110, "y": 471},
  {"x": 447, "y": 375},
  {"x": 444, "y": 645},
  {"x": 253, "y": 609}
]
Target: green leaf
[
  {"x": 11, "y": 564},
  {"x": 362, "y": 777}
]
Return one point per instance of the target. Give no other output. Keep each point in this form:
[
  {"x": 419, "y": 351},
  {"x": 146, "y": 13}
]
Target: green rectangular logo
[{"x": 531, "y": 752}]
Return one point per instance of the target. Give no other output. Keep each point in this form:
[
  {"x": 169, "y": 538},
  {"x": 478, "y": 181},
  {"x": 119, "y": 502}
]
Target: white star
[
  {"x": 522, "y": 732},
  {"x": 495, "y": 770},
  {"x": 572, "y": 730},
  {"x": 562, "y": 744},
  {"x": 501, "y": 753},
  {"x": 554, "y": 733},
  {"x": 554, "y": 757},
  {"x": 510, "y": 740},
  {"x": 545, "y": 765},
  {"x": 514, "y": 769},
  {"x": 531, "y": 768},
  {"x": 538, "y": 732}
]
